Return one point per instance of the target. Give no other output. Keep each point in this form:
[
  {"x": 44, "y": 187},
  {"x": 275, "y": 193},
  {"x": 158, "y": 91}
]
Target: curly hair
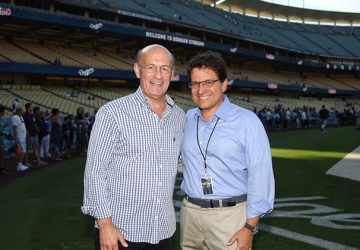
[{"x": 211, "y": 60}]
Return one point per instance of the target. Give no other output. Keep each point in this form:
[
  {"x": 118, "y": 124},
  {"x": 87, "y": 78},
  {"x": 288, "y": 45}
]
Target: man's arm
[
  {"x": 96, "y": 199},
  {"x": 244, "y": 236},
  {"x": 260, "y": 182},
  {"x": 15, "y": 134},
  {"x": 109, "y": 235}
]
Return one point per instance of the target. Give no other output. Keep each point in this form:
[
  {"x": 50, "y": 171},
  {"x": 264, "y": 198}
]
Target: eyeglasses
[
  {"x": 205, "y": 84},
  {"x": 165, "y": 69}
]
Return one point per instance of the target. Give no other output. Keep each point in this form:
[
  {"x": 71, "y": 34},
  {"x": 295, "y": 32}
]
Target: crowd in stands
[{"x": 45, "y": 133}]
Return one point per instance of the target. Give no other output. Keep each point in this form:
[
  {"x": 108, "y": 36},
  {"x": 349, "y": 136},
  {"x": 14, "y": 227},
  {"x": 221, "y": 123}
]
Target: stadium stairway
[
  {"x": 27, "y": 99},
  {"x": 344, "y": 48},
  {"x": 6, "y": 58},
  {"x": 69, "y": 100},
  {"x": 313, "y": 42},
  {"x": 93, "y": 94},
  {"x": 64, "y": 55},
  {"x": 343, "y": 83},
  {"x": 31, "y": 53}
]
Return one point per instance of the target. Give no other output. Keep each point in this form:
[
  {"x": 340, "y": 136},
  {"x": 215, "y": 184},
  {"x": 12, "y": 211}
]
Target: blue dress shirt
[{"x": 238, "y": 157}]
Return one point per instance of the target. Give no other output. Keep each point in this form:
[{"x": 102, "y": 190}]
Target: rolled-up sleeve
[
  {"x": 261, "y": 182},
  {"x": 99, "y": 156}
]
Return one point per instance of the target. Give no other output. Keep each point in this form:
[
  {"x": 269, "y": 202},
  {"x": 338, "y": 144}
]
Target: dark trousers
[
  {"x": 80, "y": 142},
  {"x": 162, "y": 245}
]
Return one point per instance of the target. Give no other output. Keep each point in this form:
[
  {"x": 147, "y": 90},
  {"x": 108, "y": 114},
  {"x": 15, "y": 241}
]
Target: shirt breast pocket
[{"x": 176, "y": 141}]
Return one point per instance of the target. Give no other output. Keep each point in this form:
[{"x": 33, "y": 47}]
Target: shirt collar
[
  {"x": 222, "y": 112},
  {"x": 141, "y": 97}
]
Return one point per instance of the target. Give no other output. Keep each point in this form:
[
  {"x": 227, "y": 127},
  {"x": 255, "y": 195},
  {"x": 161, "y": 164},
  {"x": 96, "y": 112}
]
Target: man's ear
[
  {"x": 224, "y": 85},
  {"x": 137, "y": 70}
]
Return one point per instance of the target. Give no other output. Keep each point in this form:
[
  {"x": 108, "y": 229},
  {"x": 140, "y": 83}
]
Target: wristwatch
[{"x": 254, "y": 230}]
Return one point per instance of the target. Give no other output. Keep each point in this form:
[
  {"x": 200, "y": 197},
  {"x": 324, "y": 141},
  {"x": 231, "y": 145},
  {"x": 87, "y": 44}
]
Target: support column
[{"x": 51, "y": 7}]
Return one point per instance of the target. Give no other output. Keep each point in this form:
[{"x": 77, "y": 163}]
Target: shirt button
[
  {"x": 156, "y": 217},
  {"x": 158, "y": 201},
  {"x": 160, "y": 166},
  {"x": 160, "y": 183},
  {"x": 201, "y": 142},
  {"x": 161, "y": 149}
]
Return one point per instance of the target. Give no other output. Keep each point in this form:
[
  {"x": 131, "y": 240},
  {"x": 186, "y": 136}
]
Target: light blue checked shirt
[
  {"x": 131, "y": 167},
  {"x": 238, "y": 158}
]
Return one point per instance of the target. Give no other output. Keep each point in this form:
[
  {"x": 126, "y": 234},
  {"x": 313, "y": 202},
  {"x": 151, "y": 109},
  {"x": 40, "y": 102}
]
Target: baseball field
[{"x": 313, "y": 210}]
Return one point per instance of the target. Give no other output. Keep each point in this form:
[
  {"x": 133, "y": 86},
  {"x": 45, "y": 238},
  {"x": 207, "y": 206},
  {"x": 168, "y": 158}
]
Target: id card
[{"x": 207, "y": 185}]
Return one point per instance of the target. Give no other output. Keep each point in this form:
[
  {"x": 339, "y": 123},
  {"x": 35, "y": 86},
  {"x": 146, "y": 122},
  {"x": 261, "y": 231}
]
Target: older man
[{"x": 132, "y": 161}]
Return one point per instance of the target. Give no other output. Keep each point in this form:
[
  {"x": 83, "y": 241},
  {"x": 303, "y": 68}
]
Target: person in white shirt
[
  {"x": 288, "y": 118},
  {"x": 269, "y": 119},
  {"x": 277, "y": 120},
  {"x": 304, "y": 119},
  {"x": 20, "y": 136},
  {"x": 15, "y": 105}
]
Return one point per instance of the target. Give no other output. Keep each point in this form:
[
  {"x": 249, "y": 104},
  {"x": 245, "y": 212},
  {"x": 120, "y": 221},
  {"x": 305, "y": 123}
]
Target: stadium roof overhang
[{"x": 265, "y": 9}]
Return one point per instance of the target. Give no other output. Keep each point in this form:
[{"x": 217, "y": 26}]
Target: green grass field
[{"x": 42, "y": 210}]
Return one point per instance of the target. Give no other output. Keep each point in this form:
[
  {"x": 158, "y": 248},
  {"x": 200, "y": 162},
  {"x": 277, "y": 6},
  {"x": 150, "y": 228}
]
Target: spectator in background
[
  {"x": 45, "y": 141},
  {"x": 89, "y": 128},
  {"x": 20, "y": 136},
  {"x": 66, "y": 136},
  {"x": 71, "y": 132},
  {"x": 283, "y": 118},
  {"x": 56, "y": 138},
  {"x": 269, "y": 119},
  {"x": 15, "y": 105},
  {"x": 288, "y": 118},
  {"x": 80, "y": 131},
  {"x": 39, "y": 124},
  {"x": 304, "y": 119},
  {"x": 277, "y": 120},
  {"x": 94, "y": 115},
  {"x": 87, "y": 117},
  {"x": 2, "y": 141},
  {"x": 323, "y": 114},
  {"x": 32, "y": 140}
]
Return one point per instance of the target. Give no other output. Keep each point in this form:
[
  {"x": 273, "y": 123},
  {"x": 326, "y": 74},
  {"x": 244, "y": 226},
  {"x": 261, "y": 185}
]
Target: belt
[{"x": 228, "y": 202}]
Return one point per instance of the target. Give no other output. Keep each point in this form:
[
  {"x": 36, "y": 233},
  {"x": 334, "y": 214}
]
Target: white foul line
[{"x": 304, "y": 238}]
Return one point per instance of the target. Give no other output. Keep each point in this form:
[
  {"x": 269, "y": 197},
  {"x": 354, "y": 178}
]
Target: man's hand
[
  {"x": 110, "y": 235},
  {"x": 6, "y": 124},
  {"x": 244, "y": 239},
  {"x": 244, "y": 236}
]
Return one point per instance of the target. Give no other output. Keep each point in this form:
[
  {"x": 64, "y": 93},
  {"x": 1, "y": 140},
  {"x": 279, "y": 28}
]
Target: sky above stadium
[{"x": 330, "y": 5}]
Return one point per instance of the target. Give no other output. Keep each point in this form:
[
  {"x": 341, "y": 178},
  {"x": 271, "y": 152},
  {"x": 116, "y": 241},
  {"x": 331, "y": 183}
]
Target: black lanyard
[{"x": 197, "y": 137}]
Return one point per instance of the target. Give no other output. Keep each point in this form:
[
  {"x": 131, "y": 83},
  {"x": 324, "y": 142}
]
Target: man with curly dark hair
[{"x": 228, "y": 176}]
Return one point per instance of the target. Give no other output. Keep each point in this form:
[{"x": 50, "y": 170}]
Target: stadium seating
[{"x": 18, "y": 55}]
